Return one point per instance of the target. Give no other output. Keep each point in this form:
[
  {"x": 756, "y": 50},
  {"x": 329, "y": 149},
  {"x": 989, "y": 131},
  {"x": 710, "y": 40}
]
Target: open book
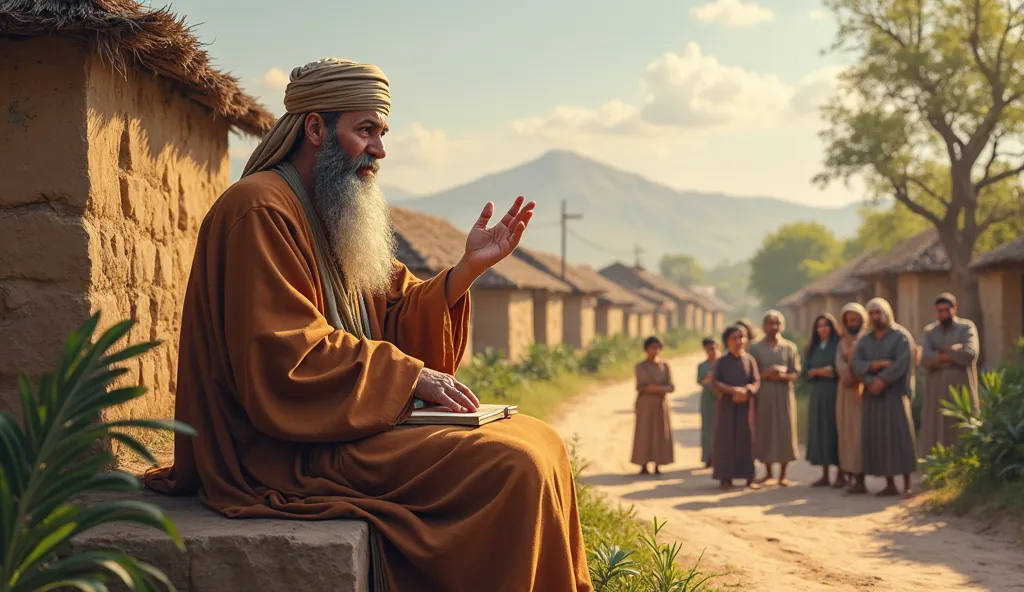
[{"x": 437, "y": 415}]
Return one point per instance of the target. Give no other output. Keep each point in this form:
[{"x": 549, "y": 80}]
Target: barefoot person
[
  {"x": 820, "y": 371},
  {"x": 882, "y": 360},
  {"x": 305, "y": 346},
  {"x": 950, "y": 358},
  {"x": 775, "y": 438},
  {"x": 736, "y": 382},
  {"x": 652, "y": 435},
  {"x": 848, "y": 400},
  {"x": 708, "y": 401}
]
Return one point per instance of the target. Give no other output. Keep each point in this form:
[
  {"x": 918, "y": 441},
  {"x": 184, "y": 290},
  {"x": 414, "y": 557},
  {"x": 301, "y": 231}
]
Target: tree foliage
[
  {"x": 931, "y": 112},
  {"x": 791, "y": 257},
  {"x": 684, "y": 270}
]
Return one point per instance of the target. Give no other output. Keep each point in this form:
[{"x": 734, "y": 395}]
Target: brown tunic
[
  {"x": 848, "y": 407},
  {"x": 960, "y": 341},
  {"x": 298, "y": 420},
  {"x": 652, "y": 436},
  {"x": 734, "y": 444}
]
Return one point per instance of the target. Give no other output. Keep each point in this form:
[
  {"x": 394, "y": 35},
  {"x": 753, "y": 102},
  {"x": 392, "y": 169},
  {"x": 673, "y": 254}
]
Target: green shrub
[{"x": 47, "y": 462}]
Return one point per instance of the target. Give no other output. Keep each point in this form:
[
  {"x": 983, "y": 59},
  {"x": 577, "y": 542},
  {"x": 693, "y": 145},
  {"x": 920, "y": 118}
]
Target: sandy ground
[{"x": 786, "y": 539}]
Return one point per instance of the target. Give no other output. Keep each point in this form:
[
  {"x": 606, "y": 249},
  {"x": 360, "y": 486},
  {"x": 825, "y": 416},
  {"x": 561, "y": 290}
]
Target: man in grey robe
[
  {"x": 778, "y": 360},
  {"x": 883, "y": 360},
  {"x": 950, "y": 358}
]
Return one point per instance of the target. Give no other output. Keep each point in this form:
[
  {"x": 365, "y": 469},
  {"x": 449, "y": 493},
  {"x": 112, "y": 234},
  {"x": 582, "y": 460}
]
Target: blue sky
[{"x": 713, "y": 95}]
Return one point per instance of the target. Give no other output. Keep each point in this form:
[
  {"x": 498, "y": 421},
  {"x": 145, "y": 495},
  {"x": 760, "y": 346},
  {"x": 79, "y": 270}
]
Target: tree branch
[
  {"x": 987, "y": 180},
  {"x": 996, "y": 218},
  {"x": 924, "y": 187},
  {"x": 902, "y": 196},
  {"x": 974, "y": 40}
]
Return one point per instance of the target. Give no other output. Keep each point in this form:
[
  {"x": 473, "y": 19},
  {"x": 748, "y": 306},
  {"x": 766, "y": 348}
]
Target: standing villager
[
  {"x": 950, "y": 358},
  {"x": 749, "y": 333},
  {"x": 737, "y": 381},
  {"x": 848, "y": 401},
  {"x": 820, "y": 371},
  {"x": 652, "y": 435},
  {"x": 882, "y": 360},
  {"x": 778, "y": 361},
  {"x": 708, "y": 401},
  {"x": 305, "y": 346}
]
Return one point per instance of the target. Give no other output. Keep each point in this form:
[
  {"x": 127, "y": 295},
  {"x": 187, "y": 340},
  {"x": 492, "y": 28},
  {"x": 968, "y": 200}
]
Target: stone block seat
[{"x": 233, "y": 554}]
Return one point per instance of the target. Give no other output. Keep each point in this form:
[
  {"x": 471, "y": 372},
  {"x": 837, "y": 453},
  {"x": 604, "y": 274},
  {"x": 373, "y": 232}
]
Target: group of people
[{"x": 861, "y": 370}]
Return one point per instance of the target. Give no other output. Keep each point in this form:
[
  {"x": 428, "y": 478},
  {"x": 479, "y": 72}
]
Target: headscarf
[
  {"x": 331, "y": 84},
  {"x": 882, "y": 305},
  {"x": 946, "y": 297},
  {"x": 859, "y": 310}
]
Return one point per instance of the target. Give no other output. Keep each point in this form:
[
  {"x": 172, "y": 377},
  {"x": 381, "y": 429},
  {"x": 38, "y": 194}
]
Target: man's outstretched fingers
[
  {"x": 469, "y": 393},
  {"x": 485, "y": 215},
  {"x": 513, "y": 211}
]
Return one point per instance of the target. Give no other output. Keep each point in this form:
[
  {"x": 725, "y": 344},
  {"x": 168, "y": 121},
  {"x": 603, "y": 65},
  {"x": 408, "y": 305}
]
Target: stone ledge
[{"x": 225, "y": 554}]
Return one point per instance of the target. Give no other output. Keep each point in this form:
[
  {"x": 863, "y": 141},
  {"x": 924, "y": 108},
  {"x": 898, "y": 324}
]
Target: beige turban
[
  {"x": 855, "y": 308},
  {"x": 330, "y": 84}
]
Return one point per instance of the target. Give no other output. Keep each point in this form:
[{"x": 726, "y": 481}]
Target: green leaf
[
  {"x": 129, "y": 352},
  {"x": 135, "y": 446},
  {"x": 45, "y": 547},
  {"x": 93, "y": 584},
  {"x": 29, "y": 411},
  {"x": 14, "y": 460},
  {"x": 130, "y": 511},
  {"x": 170, "y": 425}
]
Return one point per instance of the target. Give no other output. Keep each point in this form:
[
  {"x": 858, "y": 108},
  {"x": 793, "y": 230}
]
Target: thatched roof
[
  {"x": 661, "y": 300},
  {"x": 633, "y": 279},
  {"x": 1010, "y": 254},
  {"x": 577, "y": 278},
  {"x": 429, "y": 244},
  {"x": 124, "y": 33},
  {"x": 921, "y": 253}
]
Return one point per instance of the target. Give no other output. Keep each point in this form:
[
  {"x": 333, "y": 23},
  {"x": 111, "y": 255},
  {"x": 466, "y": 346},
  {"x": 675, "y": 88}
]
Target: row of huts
[
  {"x": 524, "y": 299},
  {"x": 910, "y": 276}
]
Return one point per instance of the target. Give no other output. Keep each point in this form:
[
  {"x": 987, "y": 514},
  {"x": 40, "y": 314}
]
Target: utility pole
[
  {"x": 637, "y": 251},
  {"x": 565, "y": 230}
]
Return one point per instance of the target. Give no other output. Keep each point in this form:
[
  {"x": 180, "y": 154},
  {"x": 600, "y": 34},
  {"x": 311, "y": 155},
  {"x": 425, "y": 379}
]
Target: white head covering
[{"x": 882, "y": 305}]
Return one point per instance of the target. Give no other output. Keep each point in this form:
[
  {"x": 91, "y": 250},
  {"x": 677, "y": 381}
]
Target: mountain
[
  {"x": 396, "y": 194},
  {"x": 622, "y": 209}
]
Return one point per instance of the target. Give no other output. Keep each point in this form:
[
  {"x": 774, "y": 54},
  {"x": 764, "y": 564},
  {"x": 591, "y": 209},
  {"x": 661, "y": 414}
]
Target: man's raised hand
[
  {"x": 486, "y": 246},
  {"x": 438, "y": 388}
]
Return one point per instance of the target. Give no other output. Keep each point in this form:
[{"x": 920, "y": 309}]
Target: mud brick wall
[{"x": 106, "y": 181}]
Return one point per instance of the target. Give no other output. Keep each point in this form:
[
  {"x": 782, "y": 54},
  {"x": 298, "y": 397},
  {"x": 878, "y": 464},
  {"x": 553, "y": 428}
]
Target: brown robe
[
  {"x": 652, "y": 436},
  {"x": 298, "y": 420},
  {"x": 960, "y": 341},
  {"x": 775, "y": 425},
  {"x": 734, "y": 440},
  {"x": 848, "y": 406}
]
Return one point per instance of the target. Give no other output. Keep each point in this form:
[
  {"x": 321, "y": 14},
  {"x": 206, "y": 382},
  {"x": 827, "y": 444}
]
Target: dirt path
[{"x": 786, "y": 539}]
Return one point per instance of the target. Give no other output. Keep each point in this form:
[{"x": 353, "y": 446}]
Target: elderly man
[
  {"x": 305, "y": 346},
  {"x": 778, "y": 361},
  {"x": 848, "y": 405},
  {"x": 950, "y": 359},
  {"x": 882, "y": 360}
]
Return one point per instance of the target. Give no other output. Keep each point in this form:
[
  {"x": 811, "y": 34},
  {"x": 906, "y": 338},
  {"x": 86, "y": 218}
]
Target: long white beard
[{"x": 356, "y": 218}]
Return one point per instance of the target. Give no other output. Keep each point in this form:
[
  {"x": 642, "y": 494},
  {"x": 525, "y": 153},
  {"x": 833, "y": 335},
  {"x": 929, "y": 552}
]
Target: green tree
[
  {"x": 926, "y": 112},
  {"x": 791, "y": 257},
  {"x": 684, "y": 270}
]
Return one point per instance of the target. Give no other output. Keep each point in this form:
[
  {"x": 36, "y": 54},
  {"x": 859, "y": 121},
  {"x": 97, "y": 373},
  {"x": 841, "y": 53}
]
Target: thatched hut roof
[
  {"x": 921, "y": 253},
  {"x": 429, "y": 244},
  {"x": 633, "y": 279},
  {"x": 1010, "y": 254},
  {"x": 661, "y": 300},
  {"x": 578, "y": 279},
  {"x": 125, "y": 33}
]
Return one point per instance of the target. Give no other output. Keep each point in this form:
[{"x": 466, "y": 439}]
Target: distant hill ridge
[{"x": 621, "y": 209}]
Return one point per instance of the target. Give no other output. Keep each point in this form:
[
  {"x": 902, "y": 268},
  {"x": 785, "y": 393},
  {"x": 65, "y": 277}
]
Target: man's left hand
[
  {"x": 487, "y": 246},
  {"x": 877, "y": 386}
]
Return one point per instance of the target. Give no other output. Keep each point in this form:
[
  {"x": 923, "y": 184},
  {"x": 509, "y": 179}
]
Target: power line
[{"x": 600, "y": 247}]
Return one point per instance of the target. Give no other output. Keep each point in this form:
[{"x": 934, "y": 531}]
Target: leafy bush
[
  {"x": 489, "y": 376},
  {"x": 46, "y": 463},
  {"x": 991, "y": 440}
]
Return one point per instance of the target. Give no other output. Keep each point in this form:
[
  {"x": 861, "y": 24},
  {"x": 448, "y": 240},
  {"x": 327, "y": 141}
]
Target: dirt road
[{"x": 786, "y": 539}]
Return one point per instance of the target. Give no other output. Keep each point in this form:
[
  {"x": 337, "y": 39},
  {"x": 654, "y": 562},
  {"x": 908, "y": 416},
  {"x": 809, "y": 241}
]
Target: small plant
[{"x": 47, "y": 462}]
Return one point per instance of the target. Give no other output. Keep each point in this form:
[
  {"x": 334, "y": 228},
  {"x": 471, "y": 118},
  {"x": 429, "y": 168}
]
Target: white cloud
[
  {"x": 732, "y": 13},
  {"x": 276, "y": 78},
  {"x": 690, "y": 90},
  {"x": 418, "y": 146},
  {"x": 815, "y": 15}
]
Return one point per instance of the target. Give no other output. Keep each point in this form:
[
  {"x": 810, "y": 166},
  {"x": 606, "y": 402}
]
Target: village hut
[
  {"x": 795, "y": 309},
  {"x": 618, "y": 310},
  {"x": 114, "y": 145},
  {"x": 1000, "y": 275},
  {"x": 633, "y": 278},
  {"x": 910, "y": 276},
  {"x": 829, "y": 293},
  {"x": 504, "y": 298},
  {"x": 664, "y": 311},
  {"x": 579, "y": 312}
]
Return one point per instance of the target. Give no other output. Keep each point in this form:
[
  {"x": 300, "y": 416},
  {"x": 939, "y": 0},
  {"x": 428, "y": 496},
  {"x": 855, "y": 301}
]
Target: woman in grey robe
[
  {"x": 736, "y": 382},
  {"x": 820, "y": 372},
  {"x": 882, "y": 360}
]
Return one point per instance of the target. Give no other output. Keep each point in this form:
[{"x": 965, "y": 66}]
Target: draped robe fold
[{"x": 297, "y": 419}]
